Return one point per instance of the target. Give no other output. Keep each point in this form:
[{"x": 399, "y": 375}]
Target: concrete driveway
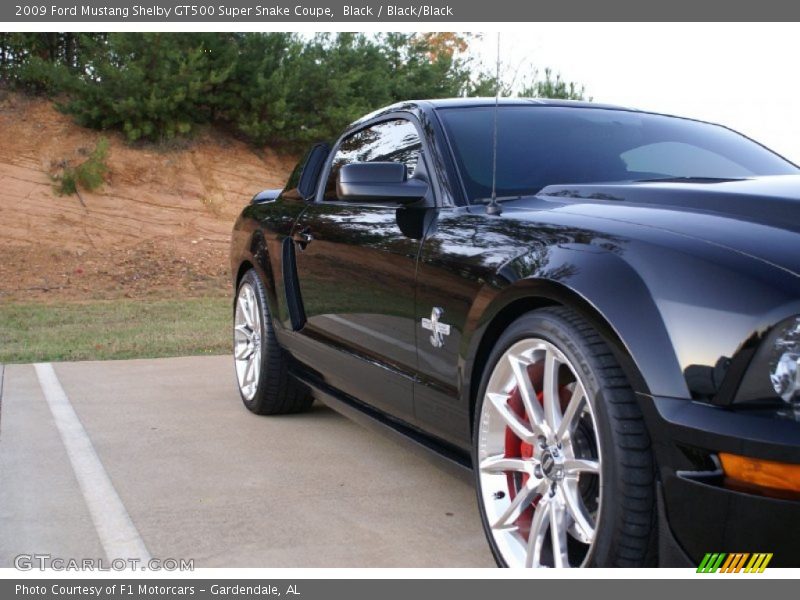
[{"x": 160, "y": 455}]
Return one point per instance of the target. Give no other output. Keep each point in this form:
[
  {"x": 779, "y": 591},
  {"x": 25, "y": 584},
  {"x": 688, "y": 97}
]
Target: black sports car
[{"x": 593, "y": 308}]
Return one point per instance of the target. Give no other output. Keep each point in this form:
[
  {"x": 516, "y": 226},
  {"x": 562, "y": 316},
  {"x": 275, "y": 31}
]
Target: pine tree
[
  {"x": 270, "y": 88},
  {"x": 152, "y": 86}
]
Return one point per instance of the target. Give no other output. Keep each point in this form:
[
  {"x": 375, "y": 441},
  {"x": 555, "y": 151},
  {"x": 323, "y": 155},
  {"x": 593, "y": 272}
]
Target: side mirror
[
  {"x": 384, "y": 182},
  {"x": 266, "y": 196}
]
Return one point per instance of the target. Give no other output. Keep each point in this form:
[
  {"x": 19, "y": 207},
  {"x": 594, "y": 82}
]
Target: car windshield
[{"x": 539, "y": 146}]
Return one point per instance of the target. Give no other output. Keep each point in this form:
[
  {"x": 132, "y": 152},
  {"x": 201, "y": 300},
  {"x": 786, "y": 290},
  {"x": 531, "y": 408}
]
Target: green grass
[{"x": 114, "y": 329}]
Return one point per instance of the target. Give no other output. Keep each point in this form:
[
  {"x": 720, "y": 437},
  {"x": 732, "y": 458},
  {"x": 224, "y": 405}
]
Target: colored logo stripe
[
  {"x": 711, "y": 562},
  {"x": 734, "y": 563},
  {"x": 758, "y": 563}
]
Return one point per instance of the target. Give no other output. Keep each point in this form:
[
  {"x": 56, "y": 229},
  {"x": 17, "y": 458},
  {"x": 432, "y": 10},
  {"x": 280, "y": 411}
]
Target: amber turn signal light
[{"x": 767, "y": 474}]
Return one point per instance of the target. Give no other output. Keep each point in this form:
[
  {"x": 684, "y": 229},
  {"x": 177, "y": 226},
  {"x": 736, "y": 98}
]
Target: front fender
[
  {"x": 682, "y": 314},
  {"x": 602, "y": 287}
]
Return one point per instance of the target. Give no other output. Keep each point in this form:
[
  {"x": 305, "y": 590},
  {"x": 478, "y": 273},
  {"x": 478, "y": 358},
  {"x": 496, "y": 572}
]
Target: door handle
[{"x": 303, "y": 238}]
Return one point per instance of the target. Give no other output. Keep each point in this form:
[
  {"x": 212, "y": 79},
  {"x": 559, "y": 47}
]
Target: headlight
[
  {"x": 784, "y": 368},
  {"x": 773, "y": 375}
]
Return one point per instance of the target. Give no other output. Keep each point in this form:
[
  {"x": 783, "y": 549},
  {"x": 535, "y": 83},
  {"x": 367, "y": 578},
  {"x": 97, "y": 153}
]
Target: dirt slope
[{"x": 159, "y": 226}]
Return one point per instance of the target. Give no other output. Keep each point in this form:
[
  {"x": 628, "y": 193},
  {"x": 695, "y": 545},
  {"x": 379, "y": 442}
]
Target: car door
[
  {"x": 356, "y": 274},
  {"x": 455, "y": 262}
]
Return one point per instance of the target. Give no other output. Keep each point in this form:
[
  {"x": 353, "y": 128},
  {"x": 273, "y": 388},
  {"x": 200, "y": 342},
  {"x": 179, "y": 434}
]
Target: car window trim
[{"x": 452, "y": 157}]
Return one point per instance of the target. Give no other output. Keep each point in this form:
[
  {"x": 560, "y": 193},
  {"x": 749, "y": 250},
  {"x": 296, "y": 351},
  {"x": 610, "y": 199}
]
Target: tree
[
  {"x": 44, "y": 62},
  {"x": 151, "y": 85},
  {"x": 553, "y": 87},
  {"x": 255, "y": 96},
  {"x": 271, "y": 88}
]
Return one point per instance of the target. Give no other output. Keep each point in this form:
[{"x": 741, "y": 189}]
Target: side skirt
[{"x": 450, "y": 459}]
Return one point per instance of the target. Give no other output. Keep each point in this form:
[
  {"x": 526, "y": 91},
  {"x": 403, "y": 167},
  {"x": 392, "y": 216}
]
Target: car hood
[{"x": 759, "y": 217}]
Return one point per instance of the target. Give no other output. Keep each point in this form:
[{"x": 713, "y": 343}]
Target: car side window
[{"x": 395, "y": 141}]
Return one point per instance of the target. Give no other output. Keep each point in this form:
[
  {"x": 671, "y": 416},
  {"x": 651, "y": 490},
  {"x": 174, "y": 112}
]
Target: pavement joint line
[{"x": 118, "y": 535}]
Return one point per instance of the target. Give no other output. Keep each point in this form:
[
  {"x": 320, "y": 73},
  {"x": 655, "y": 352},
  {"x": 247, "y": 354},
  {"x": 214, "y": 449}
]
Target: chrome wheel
[
  {"x": 247, "y": 341},
  {"x": 538, "y": 459}
]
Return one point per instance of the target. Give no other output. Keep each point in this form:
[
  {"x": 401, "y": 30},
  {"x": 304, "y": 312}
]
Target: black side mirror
[{"x": 384, "y": 182}]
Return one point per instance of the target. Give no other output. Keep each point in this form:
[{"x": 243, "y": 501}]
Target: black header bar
[{"x": 395, "y": 11}]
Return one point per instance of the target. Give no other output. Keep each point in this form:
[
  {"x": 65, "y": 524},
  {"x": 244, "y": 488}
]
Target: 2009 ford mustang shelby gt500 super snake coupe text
[{"x": 599, "y": 317}]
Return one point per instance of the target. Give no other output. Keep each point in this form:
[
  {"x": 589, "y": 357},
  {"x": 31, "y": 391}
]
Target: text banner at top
[{"x": 397, "y": 11}]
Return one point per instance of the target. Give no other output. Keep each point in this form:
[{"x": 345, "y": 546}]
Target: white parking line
[{"x": 116, "y": 531}]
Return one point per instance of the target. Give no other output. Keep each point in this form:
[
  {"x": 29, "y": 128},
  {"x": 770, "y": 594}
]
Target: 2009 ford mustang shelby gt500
[{"x": 599, "y": 317}]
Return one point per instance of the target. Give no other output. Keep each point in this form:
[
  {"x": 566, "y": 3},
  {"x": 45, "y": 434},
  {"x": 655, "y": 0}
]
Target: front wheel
[
  {"x": 262, "y": 366},
  {"x": 561, "y": 456}
]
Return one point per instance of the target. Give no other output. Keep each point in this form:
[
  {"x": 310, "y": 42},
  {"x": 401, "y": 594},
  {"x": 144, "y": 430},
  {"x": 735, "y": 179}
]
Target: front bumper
[{"x": 700, "y": 513}]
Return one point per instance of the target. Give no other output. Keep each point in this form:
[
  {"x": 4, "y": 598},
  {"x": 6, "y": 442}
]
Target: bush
[
  {"x": 67, "y": 182},
  {"x": 89, "y": 174}
]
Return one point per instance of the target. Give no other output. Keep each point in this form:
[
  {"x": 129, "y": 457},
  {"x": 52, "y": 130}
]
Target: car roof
[
  {"x": 467, "y": 102},
  {"x": 435, "y": 104}
]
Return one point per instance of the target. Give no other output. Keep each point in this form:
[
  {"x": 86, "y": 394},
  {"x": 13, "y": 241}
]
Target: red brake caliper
[{"x": 516, "y": 448}]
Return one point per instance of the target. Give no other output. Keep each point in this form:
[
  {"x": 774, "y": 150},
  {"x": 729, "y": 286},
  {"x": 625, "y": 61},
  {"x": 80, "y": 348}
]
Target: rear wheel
[
  {"x": 265, "y": 385},
  {"x": 562, "y": 459}
]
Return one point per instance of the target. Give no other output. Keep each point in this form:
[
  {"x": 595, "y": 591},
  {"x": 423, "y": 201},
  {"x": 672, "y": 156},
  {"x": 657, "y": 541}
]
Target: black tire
[
  {"x": 277, "y": 391},
  {"x": 626, "y": 530}
]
